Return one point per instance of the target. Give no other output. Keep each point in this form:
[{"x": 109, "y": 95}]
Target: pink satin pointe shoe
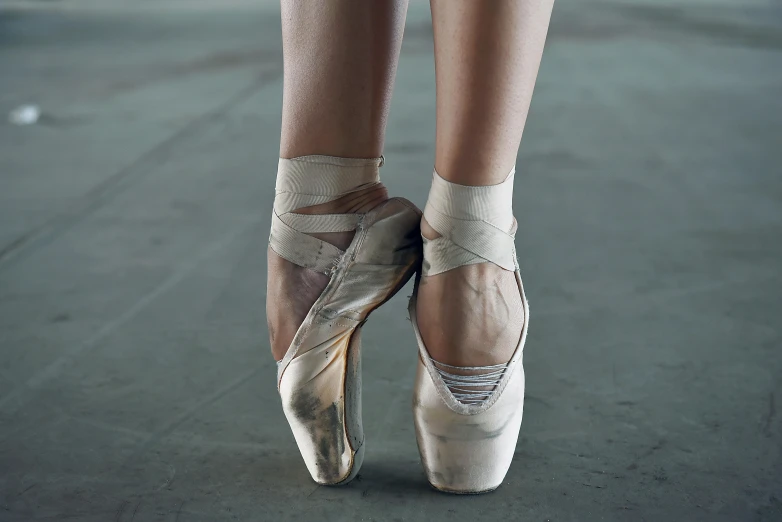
[
  {"x": 319, "y": 379},
  {"x": 467, "y": 426}
]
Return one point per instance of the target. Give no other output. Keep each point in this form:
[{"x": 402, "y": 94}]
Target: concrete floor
[{"x": 135, "y": 378}]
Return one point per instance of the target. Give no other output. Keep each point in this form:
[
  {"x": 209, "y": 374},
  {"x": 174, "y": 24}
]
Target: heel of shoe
[{"x": 392, "y": 234}]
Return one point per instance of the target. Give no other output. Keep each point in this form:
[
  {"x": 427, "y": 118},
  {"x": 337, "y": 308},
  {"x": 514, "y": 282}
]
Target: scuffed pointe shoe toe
[{"x": 321, "y": 400}]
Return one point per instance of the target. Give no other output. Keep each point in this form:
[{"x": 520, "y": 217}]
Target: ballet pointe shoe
[
  {"x": 319, "y": 378},
  {"x": 467, "y": 423}
]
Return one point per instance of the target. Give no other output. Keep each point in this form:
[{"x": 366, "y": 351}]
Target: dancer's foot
[
  {"x": 471, "y": 315},
  {"x": 291, "y": 290}
]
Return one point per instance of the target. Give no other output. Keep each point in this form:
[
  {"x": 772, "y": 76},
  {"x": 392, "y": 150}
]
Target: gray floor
[{"x": 135, "y": 378}]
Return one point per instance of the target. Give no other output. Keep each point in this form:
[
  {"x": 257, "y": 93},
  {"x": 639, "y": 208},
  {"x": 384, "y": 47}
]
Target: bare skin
[
  {"x": 340, "y": 60},
  {"x": 487, "y": 56}
]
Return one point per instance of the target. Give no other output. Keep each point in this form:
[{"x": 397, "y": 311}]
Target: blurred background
[{"x": 138, "y": 148}]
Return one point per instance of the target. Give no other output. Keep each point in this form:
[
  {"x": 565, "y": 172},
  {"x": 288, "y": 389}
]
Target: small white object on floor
[{"x": 25, "y": 115}]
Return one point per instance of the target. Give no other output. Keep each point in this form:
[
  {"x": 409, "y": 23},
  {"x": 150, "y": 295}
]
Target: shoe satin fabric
[
  {"x": 467, "y": 447},
  {"x": 319, "y": 379}
]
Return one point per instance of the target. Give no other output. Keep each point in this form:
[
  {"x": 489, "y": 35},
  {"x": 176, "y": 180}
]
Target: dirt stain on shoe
[{"x": 326, "y": 430}]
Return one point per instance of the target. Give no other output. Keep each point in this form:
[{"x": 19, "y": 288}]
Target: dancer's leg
[
  {"x": 340, "y": 58},
  {"x": 486, "y": 58}
]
